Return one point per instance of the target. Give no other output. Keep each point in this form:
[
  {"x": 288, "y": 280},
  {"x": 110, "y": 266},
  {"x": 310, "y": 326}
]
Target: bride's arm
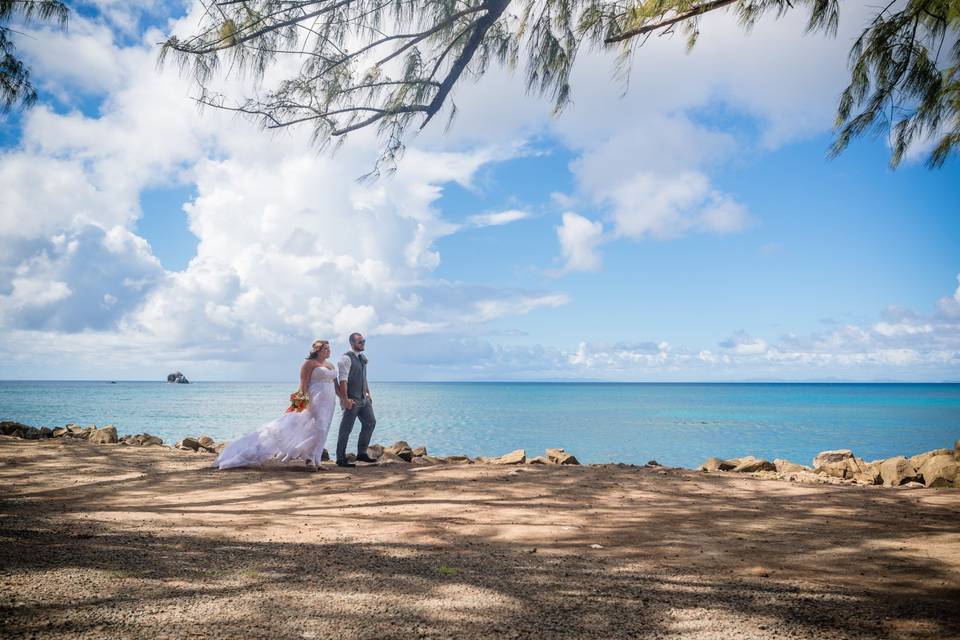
[{"x": 305, "y": 372}]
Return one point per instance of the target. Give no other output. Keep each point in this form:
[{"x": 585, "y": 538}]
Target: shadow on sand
[{"x": 111, "y": 543}]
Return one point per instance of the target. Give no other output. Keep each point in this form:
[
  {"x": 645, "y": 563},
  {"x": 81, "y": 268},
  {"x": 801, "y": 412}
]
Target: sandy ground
[{"x": 118, "y": 542}]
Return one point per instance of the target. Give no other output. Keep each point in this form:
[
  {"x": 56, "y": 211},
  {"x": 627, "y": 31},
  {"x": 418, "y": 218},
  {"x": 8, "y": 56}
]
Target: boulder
[
  {"x": 178, "y": 378},
  {"x": 716, "y": 464},
  {"x": 459, "y": 459},
  {"x": 189, "y": 444},
  {"x": 81, "y": 433},
  {"x": 519, "y": 456},
  {"x": 391, "y": 458},
  {"x": 143, "y": 440},
  {"x": 427, "y": 460},
  {"x": 941, "y": 471},
  {"x": 539, "y": 460},
  {"x": 46, "y": 432},
  {"x": 400, "y": 449},
  {"x": 59, "y": 432},
  {"x": 917, "y": 461},
  {"x": 750, "y": 464},
  {"x": 838, "y": 469},
  {"x": 652, "y": 463},
  {"x": 560, "y": 456},
  {"x": 897, "y": 471},
  {"x": 10, "y": 428},
  {"x": 326, "y": 454},
  {"x": 207, "y": 444},
  {"x": 826, "y": 457},
  {"x": 375, "y": 451},
  {"x": 868, "y": 473},
  {"x": 419, "y": 452},
  {"x": 106, "y": 435},
  {"x": 785, "y": 466}
]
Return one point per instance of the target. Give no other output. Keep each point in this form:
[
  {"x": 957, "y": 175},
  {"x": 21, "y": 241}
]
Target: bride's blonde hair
[{"x": 316, "y": 348}]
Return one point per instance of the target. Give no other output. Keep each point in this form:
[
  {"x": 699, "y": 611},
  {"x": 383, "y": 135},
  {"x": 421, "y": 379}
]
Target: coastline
[
  {"x": 938, "y": 468},
  {"x": 113, "y": 541}
]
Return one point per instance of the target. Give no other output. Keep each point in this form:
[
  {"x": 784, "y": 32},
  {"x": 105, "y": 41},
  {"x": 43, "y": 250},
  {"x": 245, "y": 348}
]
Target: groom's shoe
[
  {"x": 365, "y": 458},
  {"x": 344, "y": 463}
]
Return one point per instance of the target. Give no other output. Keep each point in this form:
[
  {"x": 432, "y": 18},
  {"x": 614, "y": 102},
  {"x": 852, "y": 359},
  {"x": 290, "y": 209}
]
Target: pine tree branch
[{"x": 696, "y": 11}]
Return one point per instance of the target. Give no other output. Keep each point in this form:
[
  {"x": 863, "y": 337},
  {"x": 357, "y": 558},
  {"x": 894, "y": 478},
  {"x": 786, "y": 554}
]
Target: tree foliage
[
  {"x": 16, "y": 87},
  {"x": 391, "y": 64}
]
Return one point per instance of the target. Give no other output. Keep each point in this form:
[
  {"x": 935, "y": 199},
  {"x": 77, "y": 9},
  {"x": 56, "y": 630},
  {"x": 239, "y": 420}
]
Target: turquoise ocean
[{"x": 674, "y": 423}]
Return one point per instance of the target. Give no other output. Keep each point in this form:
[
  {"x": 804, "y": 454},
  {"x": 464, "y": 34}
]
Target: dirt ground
[{"x": 107, "y": 541}]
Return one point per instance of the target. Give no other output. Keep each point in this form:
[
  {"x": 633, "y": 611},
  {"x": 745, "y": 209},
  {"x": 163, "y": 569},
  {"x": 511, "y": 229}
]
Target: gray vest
[{"x": 357, "y": 378}]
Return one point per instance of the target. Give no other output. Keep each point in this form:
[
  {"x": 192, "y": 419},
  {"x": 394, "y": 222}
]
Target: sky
[{"x": 690, "y": 228}]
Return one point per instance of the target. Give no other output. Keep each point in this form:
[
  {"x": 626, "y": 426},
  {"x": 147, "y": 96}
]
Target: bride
[{"x": 296, "y": 434}]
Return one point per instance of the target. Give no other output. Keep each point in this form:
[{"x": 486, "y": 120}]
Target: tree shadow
[{"x": 177, "y": 549}]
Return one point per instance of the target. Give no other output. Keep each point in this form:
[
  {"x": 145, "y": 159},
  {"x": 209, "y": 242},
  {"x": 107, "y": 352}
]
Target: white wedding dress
[{"x": 293, "y": 435}]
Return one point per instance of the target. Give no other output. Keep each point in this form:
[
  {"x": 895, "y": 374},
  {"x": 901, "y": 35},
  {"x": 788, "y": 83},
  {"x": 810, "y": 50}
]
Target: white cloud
[
  {"x": 579, "y": 239},
  {"x": 498, "y": 218}
]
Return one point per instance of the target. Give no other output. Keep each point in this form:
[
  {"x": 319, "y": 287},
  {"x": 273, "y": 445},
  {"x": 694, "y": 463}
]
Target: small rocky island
[{"x": 178, "y": 378}]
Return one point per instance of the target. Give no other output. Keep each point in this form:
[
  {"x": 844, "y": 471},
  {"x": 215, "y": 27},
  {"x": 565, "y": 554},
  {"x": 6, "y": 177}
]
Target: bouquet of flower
[{"x": 298, "y": 401}]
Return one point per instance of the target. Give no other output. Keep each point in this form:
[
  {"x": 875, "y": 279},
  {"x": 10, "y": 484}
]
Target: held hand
[{"x": 347, "y": 404}]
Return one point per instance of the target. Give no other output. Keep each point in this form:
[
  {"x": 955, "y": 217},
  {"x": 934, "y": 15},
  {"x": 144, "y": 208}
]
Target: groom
[{"x": 355, "y": 401}]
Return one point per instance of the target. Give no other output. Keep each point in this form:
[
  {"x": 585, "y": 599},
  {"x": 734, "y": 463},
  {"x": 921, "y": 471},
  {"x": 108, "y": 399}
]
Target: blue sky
[{"x": 693, "y": 229}]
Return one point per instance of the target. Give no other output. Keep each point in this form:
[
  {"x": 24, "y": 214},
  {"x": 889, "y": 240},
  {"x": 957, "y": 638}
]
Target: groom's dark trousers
[{"x": 362, "y": 409}]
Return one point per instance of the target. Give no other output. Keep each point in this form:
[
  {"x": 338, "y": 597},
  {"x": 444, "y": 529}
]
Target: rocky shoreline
[{"x": 939, "y": 468}]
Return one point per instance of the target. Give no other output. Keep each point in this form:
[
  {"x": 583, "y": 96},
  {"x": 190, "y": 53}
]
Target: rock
[
  {"x": 190, "y": 444},
  {"x": 837, "y": 469},
  {"x": 459, "y": 459},
  {"x": 560, "y": 456},
  {"x": 207, "y": 444},
  {"x": 59, "y": 432},
  {"x": 652, "y": 463},
  {"x": 326, "y": 454},
  {"x": 419, "y": 452},
  {"x": 836, "y": 455},
  {"x": 400, "y": 449},
  {"x": 917, "y": 461},
  {"x": 869, "y": 473},
  {"x": 147, "y": 440},
  {"x": 46, "y": 432},
  {"x": 375, "y": 451},
  {"x": 539, "y": 460},
  {"x": 427, "y": 460},
  {"x": 956, "y": 449},
  {"x": 785, "y": 466},
  {"x": 897, "y": 471},
  {"x": 519, "y": 456},
  {"x": 391, "y": 458},
  {"x": 716, "y": 464},
  {"x": 178, "y": 378},
  {"x": 106, "y": 435},
  {"x": 749, "y": 464},
  {"x": 351, "y": 457},
  {"x": 10, "y": 428},
  {"x": 220, "y": 446},
  {"x": 912, "y": 485},
  {"x": 940, "y": 471}
]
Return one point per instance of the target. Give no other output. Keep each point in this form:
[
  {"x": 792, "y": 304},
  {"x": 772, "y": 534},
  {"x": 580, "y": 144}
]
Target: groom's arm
[{"x": 343, "y": 369}]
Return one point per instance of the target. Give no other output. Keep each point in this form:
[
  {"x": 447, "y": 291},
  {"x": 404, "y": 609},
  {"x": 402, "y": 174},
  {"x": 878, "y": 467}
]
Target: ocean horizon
[{"x": 675, "y": 423}]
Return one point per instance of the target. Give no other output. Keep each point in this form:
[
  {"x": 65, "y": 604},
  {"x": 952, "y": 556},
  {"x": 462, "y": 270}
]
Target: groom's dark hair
[{"x": 354, "y": 336}]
